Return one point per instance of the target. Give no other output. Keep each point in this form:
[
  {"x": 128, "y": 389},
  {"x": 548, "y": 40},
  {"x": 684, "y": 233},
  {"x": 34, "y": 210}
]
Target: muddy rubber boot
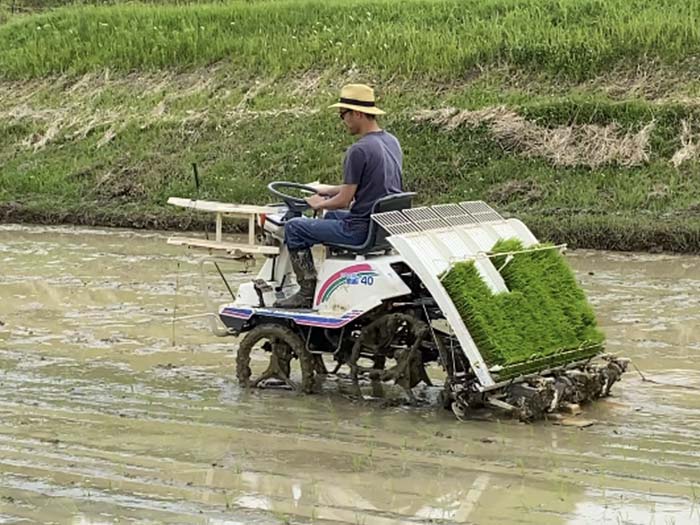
[{"x": 303, "y": 266}]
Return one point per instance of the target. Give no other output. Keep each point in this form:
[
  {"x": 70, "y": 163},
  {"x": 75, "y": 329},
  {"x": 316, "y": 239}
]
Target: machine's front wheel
[{"x": 283, "y": 345}]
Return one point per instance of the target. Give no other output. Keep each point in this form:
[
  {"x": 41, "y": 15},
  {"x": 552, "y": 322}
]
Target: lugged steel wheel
[
  {"x": 391, "y": 336},
  {"x": 283, "y": 344}
]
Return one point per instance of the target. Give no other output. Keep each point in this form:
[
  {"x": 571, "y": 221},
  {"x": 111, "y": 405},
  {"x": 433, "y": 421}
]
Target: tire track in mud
[{"x": 104, "y": 419}]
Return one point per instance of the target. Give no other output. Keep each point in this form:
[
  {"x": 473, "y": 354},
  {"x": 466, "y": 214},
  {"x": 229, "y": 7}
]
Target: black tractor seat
[{"x": 376, "y": 235}]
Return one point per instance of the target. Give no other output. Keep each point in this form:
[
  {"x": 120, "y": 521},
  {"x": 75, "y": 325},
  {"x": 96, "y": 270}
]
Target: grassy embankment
[{"x": 579, "y": 116}]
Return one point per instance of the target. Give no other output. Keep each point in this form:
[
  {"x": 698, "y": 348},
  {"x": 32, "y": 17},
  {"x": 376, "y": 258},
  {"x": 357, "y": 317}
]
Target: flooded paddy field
[{"x": 109, "y": 413}]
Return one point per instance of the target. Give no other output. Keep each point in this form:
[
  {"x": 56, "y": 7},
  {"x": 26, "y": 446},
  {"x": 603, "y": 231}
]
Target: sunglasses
[{"x": 342, "y": 113}]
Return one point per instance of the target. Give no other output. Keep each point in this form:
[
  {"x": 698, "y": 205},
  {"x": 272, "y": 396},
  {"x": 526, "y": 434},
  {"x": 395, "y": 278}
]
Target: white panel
[
  {"x": 481, "y": 211},
  {"x": 483, "y": 239},
  {"x": 454, "y": 214},
  {"x": 506, "y": 231},
  {"x": 425, "y": 218},
  {"x": 395, "y": 222},
  {"x": 448, "y": 234},
  {"x": 416, "y": 252},
  {"x": 458, "y": 249},
  {"x": 432, "y": 258},
  {"x": 489, "y": 273},
  {"x": 523, "y": 232}
]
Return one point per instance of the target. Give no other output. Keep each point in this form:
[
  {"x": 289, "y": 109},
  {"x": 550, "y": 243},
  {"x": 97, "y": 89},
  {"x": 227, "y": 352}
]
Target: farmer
[{"x": 371, "y": 170}]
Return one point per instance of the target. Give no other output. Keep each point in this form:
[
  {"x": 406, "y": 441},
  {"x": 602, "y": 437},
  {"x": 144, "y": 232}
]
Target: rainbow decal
[{"x": 355, "y": 274}]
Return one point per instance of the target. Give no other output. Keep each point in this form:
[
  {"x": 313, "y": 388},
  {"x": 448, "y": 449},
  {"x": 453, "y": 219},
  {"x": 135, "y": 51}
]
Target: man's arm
[
  {"x": 340, "y": 201},
  {"x": 326, "y": 190},
  {"x": 353, "y": 168}
]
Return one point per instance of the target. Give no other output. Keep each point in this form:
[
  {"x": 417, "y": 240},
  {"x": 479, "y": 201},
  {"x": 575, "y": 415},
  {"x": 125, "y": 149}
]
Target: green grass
[
  {"x": 544, "y": 312},
  {"x": 238, "y": 159},
  {"x": 220, "y": 71},
  {"x": 417, "y": 39},
  {"x": 127, "y": 180}
]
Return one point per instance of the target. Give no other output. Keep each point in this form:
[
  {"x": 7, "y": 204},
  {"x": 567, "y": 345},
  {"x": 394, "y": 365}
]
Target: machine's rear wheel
[
  {"x": 394, "y": 336},
  {"x": 283, "y": 345}
]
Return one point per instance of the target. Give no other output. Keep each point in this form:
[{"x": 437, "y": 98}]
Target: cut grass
[{"x": 544, "y": 313}]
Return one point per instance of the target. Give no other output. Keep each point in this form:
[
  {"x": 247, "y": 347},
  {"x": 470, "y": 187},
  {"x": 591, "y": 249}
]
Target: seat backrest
[
  {"x": 393, "y": 202},
  {"x": 376, "y": 235}
]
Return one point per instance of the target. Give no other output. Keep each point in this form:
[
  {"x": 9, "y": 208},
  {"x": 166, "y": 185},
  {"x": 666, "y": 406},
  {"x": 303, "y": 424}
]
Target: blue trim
[{"x": 300, "y": 318}]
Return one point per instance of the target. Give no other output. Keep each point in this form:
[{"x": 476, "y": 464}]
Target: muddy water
[{"x": 109, "y": 412}]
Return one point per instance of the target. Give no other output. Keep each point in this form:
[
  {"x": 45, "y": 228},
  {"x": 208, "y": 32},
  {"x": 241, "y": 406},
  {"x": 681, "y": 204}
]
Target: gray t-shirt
[{"x": 374, "y": 163}]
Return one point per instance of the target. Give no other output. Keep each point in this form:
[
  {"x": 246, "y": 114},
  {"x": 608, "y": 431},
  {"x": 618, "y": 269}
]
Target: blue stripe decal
[{"x": 300, "y": 318}]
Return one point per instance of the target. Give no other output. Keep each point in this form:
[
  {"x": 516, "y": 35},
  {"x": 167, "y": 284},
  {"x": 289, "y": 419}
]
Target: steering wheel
[{"x": 295, "y": 204}]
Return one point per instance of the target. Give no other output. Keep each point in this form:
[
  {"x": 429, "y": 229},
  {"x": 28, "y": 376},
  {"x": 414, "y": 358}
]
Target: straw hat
[{"x": 358, "y": 97}]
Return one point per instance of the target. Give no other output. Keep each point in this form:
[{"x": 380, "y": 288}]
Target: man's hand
[
  {"x": 339, "y": 201},
  {"x": 315, "y": 201}
]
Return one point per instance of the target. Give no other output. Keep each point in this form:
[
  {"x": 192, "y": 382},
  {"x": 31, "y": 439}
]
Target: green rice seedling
[{"x": 544, "y": 313}]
